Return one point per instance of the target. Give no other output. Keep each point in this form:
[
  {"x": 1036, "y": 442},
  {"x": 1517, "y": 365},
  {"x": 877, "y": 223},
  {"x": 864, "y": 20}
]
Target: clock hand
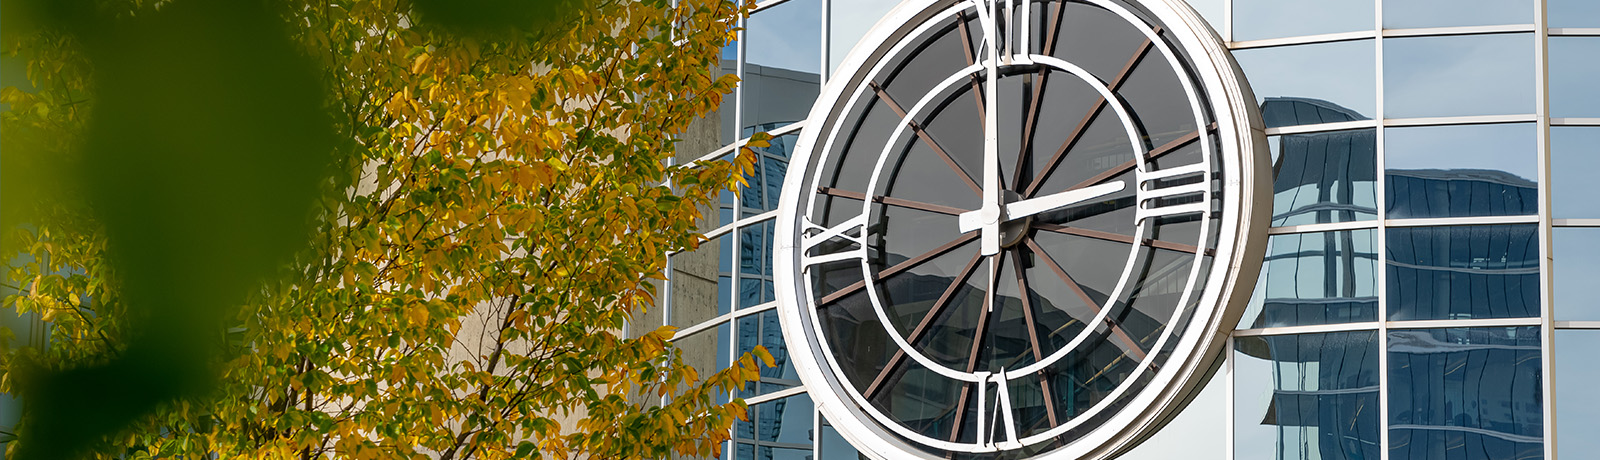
[
  {"x": 991, "y": 214},
  {"x": 972, "y": 220},
  {"x": 1025, "y": 208}
]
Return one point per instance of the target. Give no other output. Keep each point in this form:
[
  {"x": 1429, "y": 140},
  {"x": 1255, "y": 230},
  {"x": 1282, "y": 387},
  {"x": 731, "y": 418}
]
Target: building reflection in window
[
  {"x": 1323, "y": 177},
  {"x": 1307, "y": 397},
  {"x": 776, "y": 430},
  {"x": 1316, "y": 278},
  {"x": 1465, "y": 393},
  {"x": 1461, "y": 171},
  {"x": 1463, "y": 272}
]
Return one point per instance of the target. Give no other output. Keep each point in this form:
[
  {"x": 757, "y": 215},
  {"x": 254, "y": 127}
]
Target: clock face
[{"x": 1015, "y": 228}]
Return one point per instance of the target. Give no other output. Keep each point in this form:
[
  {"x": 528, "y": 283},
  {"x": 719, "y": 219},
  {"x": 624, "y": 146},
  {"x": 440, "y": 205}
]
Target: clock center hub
[{"x": 1012, "y": 231}]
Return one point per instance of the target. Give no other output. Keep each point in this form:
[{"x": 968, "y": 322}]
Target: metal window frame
[{"x": 1322, "y": 127}]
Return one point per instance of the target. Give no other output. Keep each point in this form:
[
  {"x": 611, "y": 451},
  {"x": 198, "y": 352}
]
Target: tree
[{"x": 495, "y": 205}]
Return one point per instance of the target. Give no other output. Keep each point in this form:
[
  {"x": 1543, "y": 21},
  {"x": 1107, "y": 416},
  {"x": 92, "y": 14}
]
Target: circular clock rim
[{"x": 1246, "y": 199}]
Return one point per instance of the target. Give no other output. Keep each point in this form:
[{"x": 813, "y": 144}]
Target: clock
[{"x": 1020, "y": 229}]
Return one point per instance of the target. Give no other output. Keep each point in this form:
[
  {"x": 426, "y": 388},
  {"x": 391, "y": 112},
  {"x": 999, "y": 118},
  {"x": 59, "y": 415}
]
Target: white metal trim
[
  {"x": 826, "y": 42},
  {"x": 1461, "y": 30},
  {"x": 1458, "y": 221},
  {"x": 776, "y": 395},
  {"x": 1575, "y": 121},
  {"x": 725, "y": 318},
  {"x": 1574, "y": 31},
  {"x": 740, "y": 223},
  {"x": 762, "y": 6},
  {"x": 1303, "y": 40},
  {"x": 726, "y": 149},
  {"x": 1466, "y": 120},
  {"x": 1329, "y": 227},
  {"x": 1310, "y": 329},
  {"x": 1577, "y": 324},
  {"x": 1541, "y": 62},
  {"x": 1577, "y": 222},
  {"x": 1381, "y": 198},
  {"x": 1227, "y": 21},
  {"x": 1322, "y": 127},
  {"x": 1458, "y": 323},
  {"x": 1228, "y": 399}
]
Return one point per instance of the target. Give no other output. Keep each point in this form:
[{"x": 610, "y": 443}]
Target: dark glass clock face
[{"x": 1008, "y": 222}]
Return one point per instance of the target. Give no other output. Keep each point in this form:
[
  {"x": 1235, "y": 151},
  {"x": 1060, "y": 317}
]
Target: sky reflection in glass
[
  {"x": 1458, "y": 75},
  {"x": 1332, "y": 81},
  {"x": 1574, "y": 157}
]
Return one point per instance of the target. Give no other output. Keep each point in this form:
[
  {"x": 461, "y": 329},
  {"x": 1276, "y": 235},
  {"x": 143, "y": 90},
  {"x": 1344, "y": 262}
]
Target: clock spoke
[
  {"x": 966, "y": 46},
  {"x": 924, "y": 325},
  {"x": 926, "y": 138},
  {"x": 1083, "y": 125},
  {"x": 1033, "y": 331},
  {"x": 1129, "y": 165},
  {"x": 900, "y": 267},
  {"x": 1038, "y": 97},
  {"x": 1117, "y": 237},
  {"x": 972, "y": 358},
  {"x": 1031, "y": 122},
  {"x": 892, "y": 201},
  {"x": 1116, "y": 329}
]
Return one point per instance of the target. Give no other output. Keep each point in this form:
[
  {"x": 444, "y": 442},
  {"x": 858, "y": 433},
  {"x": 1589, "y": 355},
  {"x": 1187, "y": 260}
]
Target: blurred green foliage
[
  {"x": 225, "y": 205},
  {"x": 201, "y": 161}
]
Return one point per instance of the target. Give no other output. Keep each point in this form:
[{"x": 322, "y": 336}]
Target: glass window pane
[
  {"x": 1310, "y": 84},
  {"x": 1574, "y": 157},
  {"x": 1465, "y": 394},
  {"x": 832, "y": 446},
  {"x": 1211, "y": 10},
  {"x": 1465, "y": 272},
  {"x": 1324, "y": 177},
  {"x": 1258, "y": 19},
  {"x": 1575, "y": 253},
  {"x": 1198, "y": 432},
  {"x": 1577, "y": 404},
  {"x": 786, "y": 420},
  {"x": 1316, "y": 278},
  {"x": 1433, "y": 76},
  {"x": 743, "y": 451},
  {"x": 1573, "y": 73},
  {"x": 725, "y": 111},
  {"x": 1461, "y": 171},
  {"x": 783, "y": 453},
  {"x": 1573, "y": 13},
  {"x": 1306, "y": 397},
  {"x": 1407, "y": 14},
  {"x": 783, "y": 64},
  {"x": 763, "y": 329},
  {"x": 848, "y": 21}
]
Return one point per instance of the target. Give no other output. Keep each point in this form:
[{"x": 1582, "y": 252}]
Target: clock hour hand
[{"x": 973, "y": 220}]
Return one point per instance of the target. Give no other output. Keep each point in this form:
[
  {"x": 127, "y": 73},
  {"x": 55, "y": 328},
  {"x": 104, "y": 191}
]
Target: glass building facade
[{"x": 1427, "y": 291}]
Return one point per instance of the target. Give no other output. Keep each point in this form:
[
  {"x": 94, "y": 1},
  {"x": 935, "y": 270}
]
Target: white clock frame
[{"x": 1245, "y": 198}]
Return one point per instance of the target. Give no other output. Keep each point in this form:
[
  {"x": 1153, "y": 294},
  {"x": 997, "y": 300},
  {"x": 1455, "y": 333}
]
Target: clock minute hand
[
  {"x": 1025, "y": 208},
  {"x": 973, "y": 220}
]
